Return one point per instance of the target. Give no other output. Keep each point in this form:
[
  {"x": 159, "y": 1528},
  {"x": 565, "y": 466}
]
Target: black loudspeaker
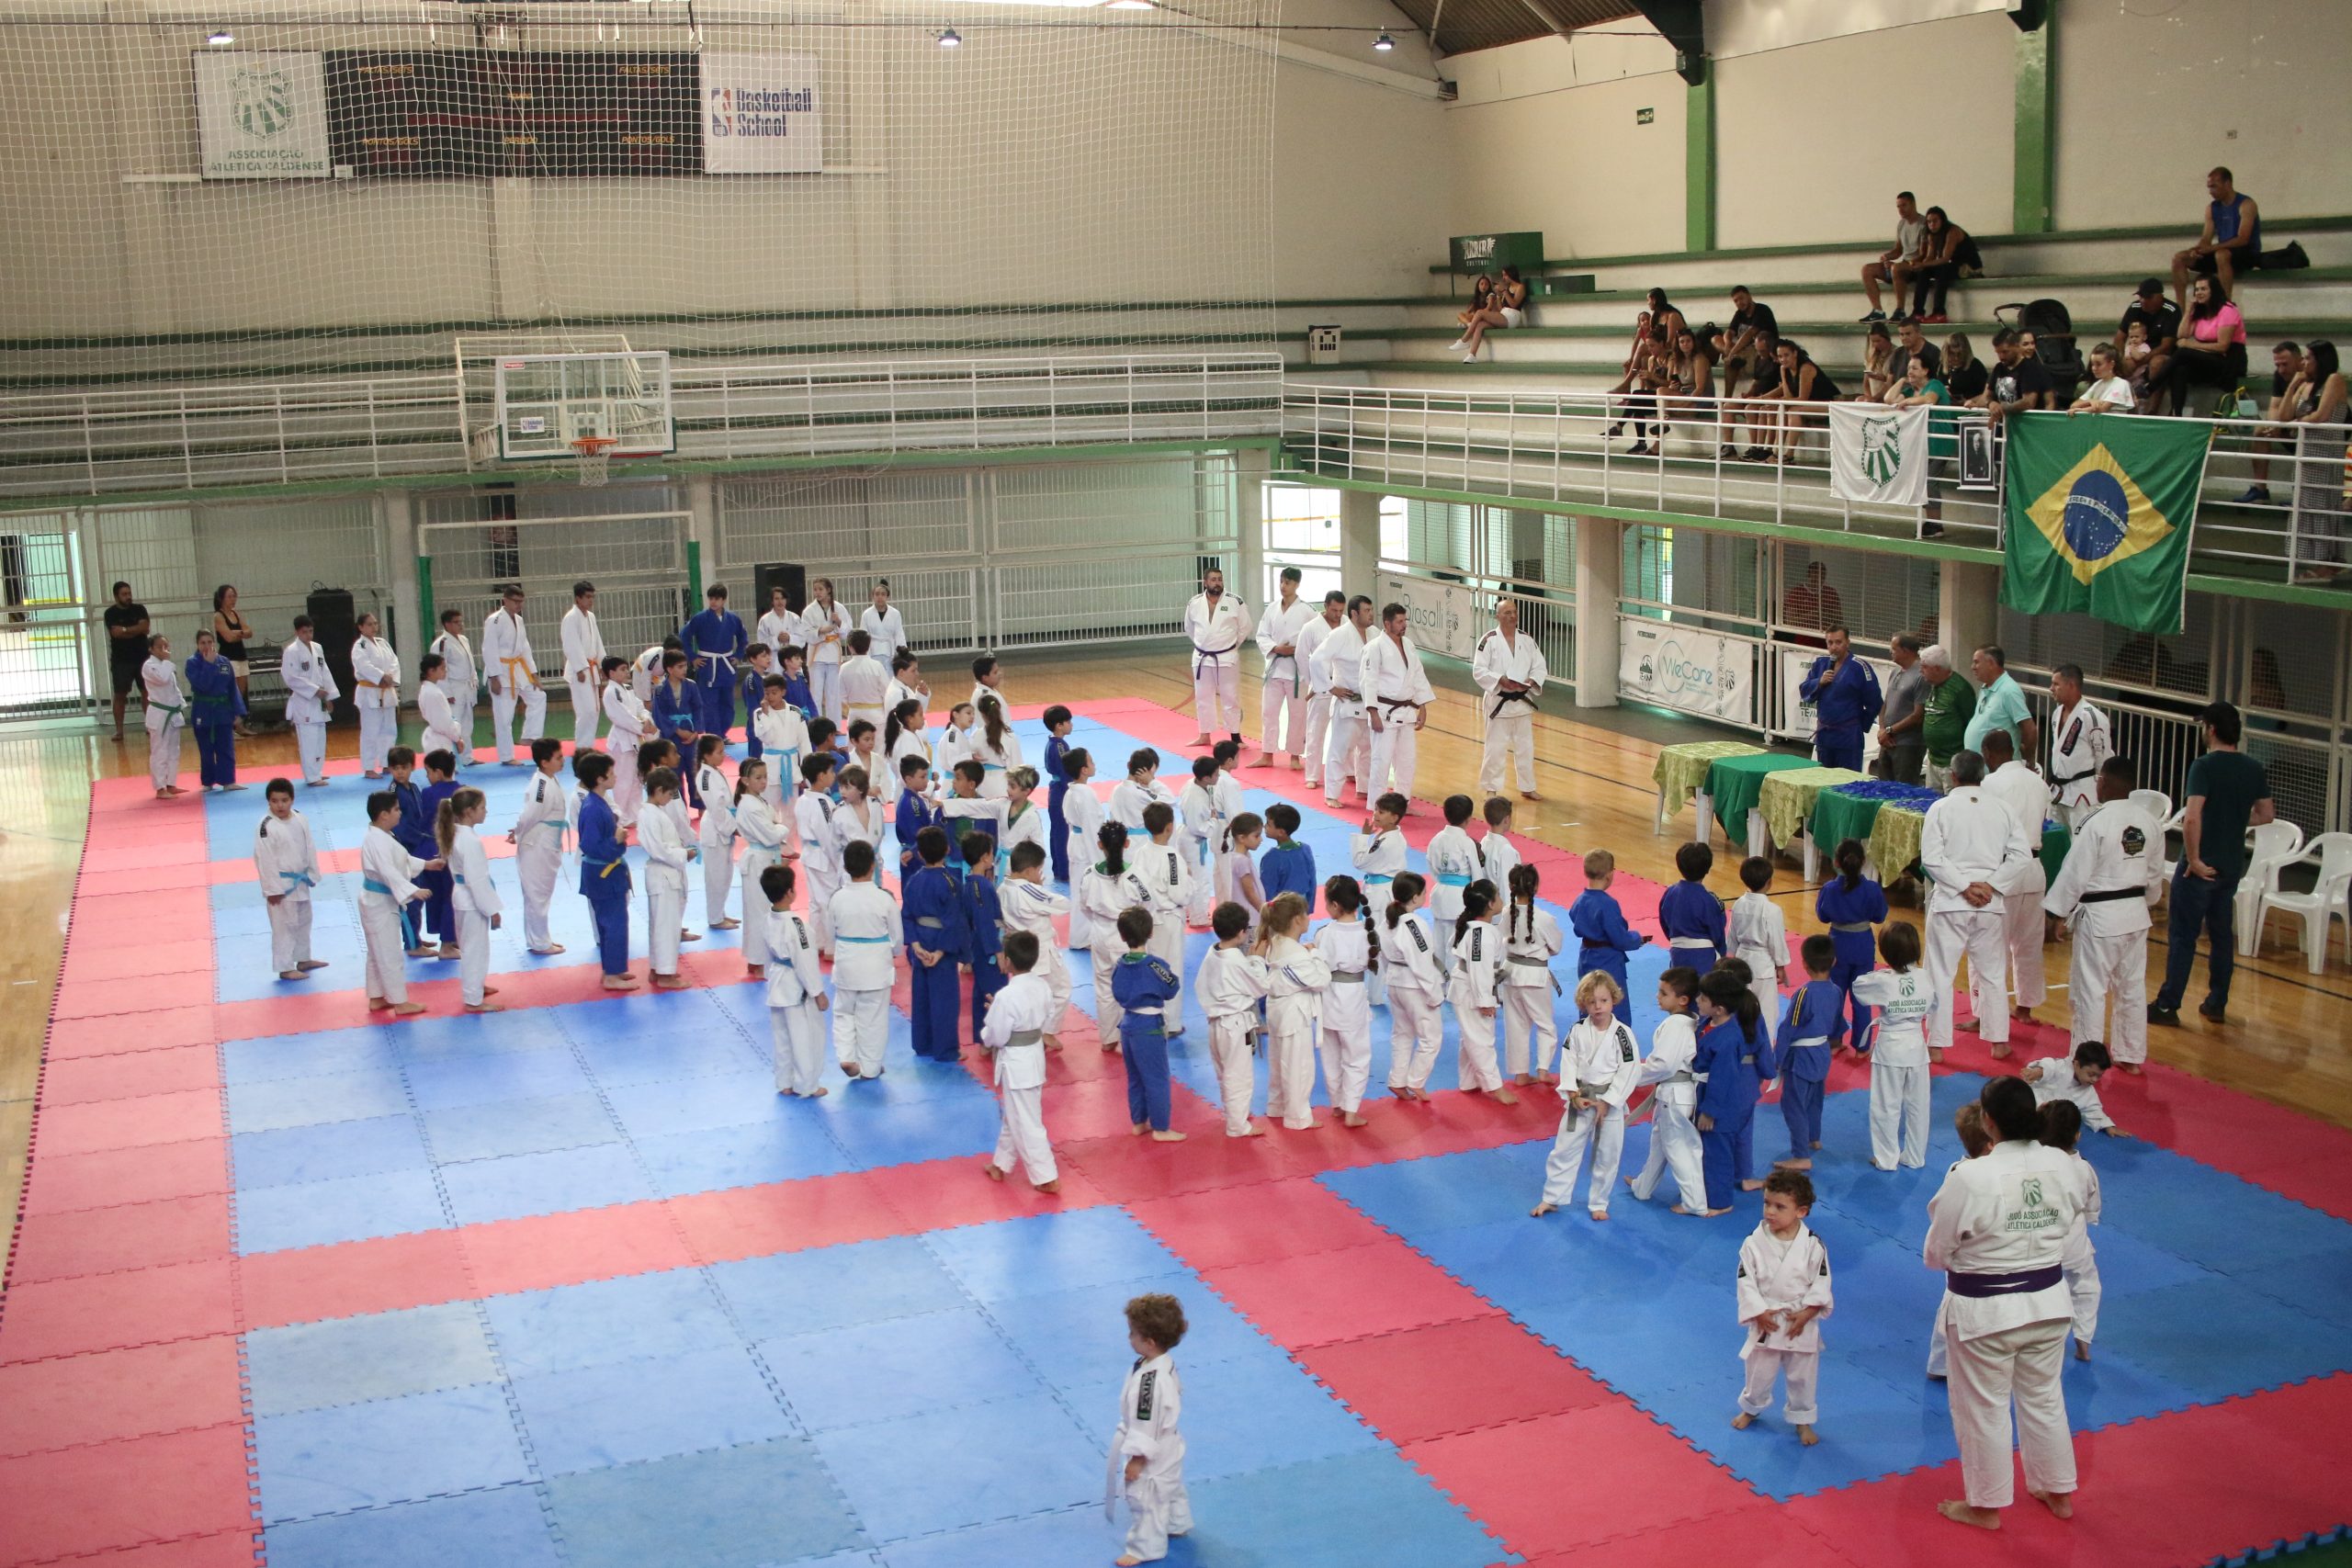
[
  {"x": 790, "y": 576},
  {"x": 334, "y": 625}
]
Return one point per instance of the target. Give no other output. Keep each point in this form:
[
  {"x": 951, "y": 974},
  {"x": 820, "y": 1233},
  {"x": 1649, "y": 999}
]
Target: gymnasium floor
[{"x": 570, "y": 1284}]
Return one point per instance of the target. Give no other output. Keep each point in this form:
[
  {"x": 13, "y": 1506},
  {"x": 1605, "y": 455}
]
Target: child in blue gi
[
  {"x": 1810, "y": 1030},
  {"x": 1144, "y": 987},
  {"x": 214, "y": 707},
  {"x": 677, "y": 714},
  {"x": 915, "y": 812},
  {"x": 1287, "y": 865},
  {"x": 412, "y": 833},
  {"x": 1057, "y": 725},
  {"x": 983, "y": 925},
  {"x": 796, "y": 683},
  {"x": 1691, "y": 917},
  {"x": 1850, "y": 905},
  {"x": 933, "y": 917},
  {"x": 759, "y": 663},
  {"x": 603, "y": 867},
  {"x": 440, "y": 912},
  {"x": 1601, "y": 924},
  {"x": 1725, "y": 1064}
]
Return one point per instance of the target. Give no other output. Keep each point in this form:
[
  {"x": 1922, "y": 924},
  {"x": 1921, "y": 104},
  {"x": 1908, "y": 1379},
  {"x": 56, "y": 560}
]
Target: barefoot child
[
  {"x": 1599, "y": 924},
  {"x": 1810, "y": 1030},
  {"x": 1057, "y": 722},
  {"x": 1453, "y": 865},
  {"x": 1287, "y": 865},
  {"x": 1165, "y": 871},
  {"x": 866, "y": 937},
  {"x": 1729, "y": 1040},
  {"x": 1759, "y": 935},
  {"x": 1014, "y": 1033},
  {"x": 665, "y": 878},
  {"x": 476, "y": 902},
  {"x": 385, "y": 883},
  {"x": 1347, "y": 943},
  {"x": 983, "y": 925},
  {"x": 1144, "y": 988},
  {"x": 537, "y": 837},
  {"x": 1201, "y": 834},
  {"x": 1852, "y": 905},
  {"x": 1232, "y": 981},
  {"x": 715, "y": 837},
  {"x": 2055, "y": 1078},
  {"x": 1476, "y": 991},
  {"x": 1083, "y": 809},
  {"x": 784, "y": 742},
  {"x": 1692, "y": 918},
  {"x": 1148, "y": 1452},
  {"x": 433, "y": 706},
  {"x": 932, "y": 926},
  {"x": 1415, "y": 984},
  {"x": 216, "y": 712},
  {"x": 1237, "y": 868},
  {"x": 1296, "y": 978},
  {"x": 1783, "y": 1292},
  {"x": 1108, "y": 887},
  {"x": 763, "y": 848},
  {"x": 440, "y": 906},
  {"x": 1975, "y": 1142},
  {"x": 821, "y": 863},
  {"x": 603, "y": 867},
  {"x": 287, "y": 862},
  {"x": 1599, "y": 1064},
  {"x": 1898, "y": 1049},
  {"x": 166, "y": 715},
  {"x": 1674, "y": 1097},
  {"x": 2062, "y": 1129},
  {"x": 1378, "y": 856},
  {"x": 1030, "y": 905},
  {"x": 795, "y": 983},
  {"x": 1532, "y": 940}
]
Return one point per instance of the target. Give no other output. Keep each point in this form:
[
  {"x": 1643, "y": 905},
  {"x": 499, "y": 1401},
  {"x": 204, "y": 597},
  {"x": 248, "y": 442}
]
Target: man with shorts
[{"x": 126, "y": 621}]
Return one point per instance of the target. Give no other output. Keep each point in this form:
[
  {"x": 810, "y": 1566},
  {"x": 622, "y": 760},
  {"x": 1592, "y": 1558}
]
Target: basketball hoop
[{"x": 595, "y": 457}]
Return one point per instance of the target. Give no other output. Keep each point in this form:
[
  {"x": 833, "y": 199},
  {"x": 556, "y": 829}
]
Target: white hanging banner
[
  {"x": 262, "y": 115},
  {"x": 1442, "y": 617},
  {"x": 759, "y": 114},
  {"x": 1878, "y": 454},
  {"x": 1686, "y": 670}
]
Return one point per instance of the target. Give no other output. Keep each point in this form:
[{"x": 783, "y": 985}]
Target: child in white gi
[
  {"x": 440, "y": 717},
  {"x": 1081, "y": 823},
  {"x": 1148, "y": 1452},
  {"x": 763, "y": 848},
  {"x": 665, "y": 878},
  {"x": 820, "y": 848},
  {"x": 956, "y": 740},
  {"x": 1137, "y": 790},
  {"x": 1345, "y": 944},
  {"x": 1603, "y": 1064},
  {"x": 1025, "y": 819},
  {"x": 165, "y": 717},
  {"x": 1454, "y": 864},
  {"x": 2062, "y": 1128},
  {"x": 2055, "y": 1078},
  {"x": 715, "y": 836},
  {"x": 795, "y": 983},
  {"x": 1498, "y": 856},
  {"x": 1976, "y": 1141},
  {"x": 866, "y": 935},
  {"x": 1415, "y": 983},
  {"x": 287, "y": 862},
  {"x": 1162, "y": 866},
  {"x": 1296, "y": 978},
  {"x": 385, "y": 870},
  {"x": 1109, "y": 886},
  {"x": 310, "y": 691},
  {"x": 1232, "y": 982},
  {"x": 1475, "y": 990},
  {"x": 1014, "y": 1033},
  {"x": 537, "y": 837},
  {"x": 1783, "y": 1292},
  {"x": 1201, "y": 837},
  {"x": 1531, "y": 939},
  {"x": 1674, "y": 1097},
  {"x": 1028, "y": 905},
  {"x": 1378, "y": 856},
  {"x": 460, "y": 680},
  {"x": 628, "y": 722},
  {"x": 1759, "y": 934},
  {"x": 784, "y": 742},
  {"x": 476, "y": 902},
  {"x": 1898, "y": 1049}
]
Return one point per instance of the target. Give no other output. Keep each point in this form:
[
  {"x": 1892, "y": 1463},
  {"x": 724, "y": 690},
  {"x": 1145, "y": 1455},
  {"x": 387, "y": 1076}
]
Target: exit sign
[{"x": 1644, "y": 116}]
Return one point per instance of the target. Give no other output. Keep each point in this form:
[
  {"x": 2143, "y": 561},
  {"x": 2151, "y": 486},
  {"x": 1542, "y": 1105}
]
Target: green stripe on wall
[
  {"x": 1699, "y": 165},
  {"x": 2036, "y": 172}
]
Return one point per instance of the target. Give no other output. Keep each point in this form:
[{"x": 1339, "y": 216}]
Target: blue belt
[
  {"x": 1450, "y": 879},
  {"x": 1372, "y": 877},
  {"x": 372, "y": 885},
  {"x": 460, "y": 881},
  {"x": 838, "y": 937},
  {"x": 294, "y": 879},
  {"x": 992, "y": 767}
]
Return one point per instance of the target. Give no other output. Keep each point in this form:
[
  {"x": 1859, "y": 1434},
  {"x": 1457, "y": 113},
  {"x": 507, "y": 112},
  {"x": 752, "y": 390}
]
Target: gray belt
[
  {"x": 1683, "y": 1076},
  {"x": 1593, "y": 1090},
  {"x": 1690, "y": 941},
  {"x": 1026, "y": 1037},
  {"x": 1849, "y": 925},
  {"x": 1347, "y": 977},
  {"x": 1527, "y": 962},
  {"x": 931, "y": 922}
]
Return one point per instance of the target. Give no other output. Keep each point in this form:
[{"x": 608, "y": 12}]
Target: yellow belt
[{"x": 510, "y": 660}]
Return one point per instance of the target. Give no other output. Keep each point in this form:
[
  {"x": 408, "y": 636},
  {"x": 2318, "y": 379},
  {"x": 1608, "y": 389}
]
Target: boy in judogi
[
  {"x": 1692, "y": 918},
  {"x": 865, "y": 933},
  {"x": 676, "y": 709},
  {"x": 2062, "y": 1129},
  {"x": 915, "y": 812},
  {"x": 441, "y": 732},
  {"x": 513, "y": 673},
  {"x": 1783, "y": 1292},
  {"x": 385, "y": 869},
  {"x": 1496, "y": 853},
  {"x": 166, "y": 715},
  {"x": 759, "y": 663},
  {"x": 628, "y": 724},
  {"x": 537, "y": 838},
  {"x": 1137, "y": 790},
  {"x": 460, "y": 677},
  {"x": 1453, "y": 858},
  {"x": 795, "y": 986},
  {"x": 1595, "y": 918},
  {"x": 1287, "y": 865},
  {"x": 1232, "y": 981},
  {"x": 1030, "y": 905},
  {"x": 440, "y": 913},
  {"x": 1600, "y": 1065},
  {"x": 784, "y": 742},
  {"x": 414, "y": 833},
  {"x": 983, "y": 925},
  {"x": 2113, "y": 876},
  {"x": 714, "y": 640},
  {"x": 603, "y": 866},
  {"x": 1015, "y": 1034},
  {"x": 1057, "y": 726},
  {"x": 1161, "y": 865},
  {"x": 821, "y": 851},
  {"x": 665, "y": 845},
  {"x": 2057, "y": 1078},
  {"x": 1674, "y": 1096},
  {"x": 1146, "y": 990},
  {"x": 1203, "y": 830},
  {"x": 584, "y": 662},
  {"x": 1146, "y": 1462},
  {"x": 287, "y": 863},
  {"x": 933, "y": 916},
  {"x": 1810, "y": 1029},
  {"x": 311, "y": 693}
]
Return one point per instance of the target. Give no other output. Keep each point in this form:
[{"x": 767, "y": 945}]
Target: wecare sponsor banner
[
  {"x": 1441, "y": 617},
  {"x": 759, "y": 114},
  {"x": 1688, "y": 670},
  {"x": 262, "y": 115}
]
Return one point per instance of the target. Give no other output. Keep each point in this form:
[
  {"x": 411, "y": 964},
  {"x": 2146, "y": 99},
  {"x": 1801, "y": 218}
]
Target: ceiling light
[
  {"x": 221, "y": 37},
  {"x": 1384, "y": 43},
  {"x": 951, "y": 40}
]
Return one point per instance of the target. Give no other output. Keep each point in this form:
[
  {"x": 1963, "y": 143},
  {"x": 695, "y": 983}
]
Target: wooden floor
[{"x": 2290, "y": 1039}]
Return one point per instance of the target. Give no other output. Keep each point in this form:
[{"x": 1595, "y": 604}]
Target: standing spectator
[
  {"x": 2158, "y": 320},
  {"x": 2232, "y": 242},
  {"x": 230, "y": 630},
  {"x": 1920, "y": 389},
  {"x": 2320, "y": 469},
  {"x": 2000, "y": 704},
  {"x": 1878, "y": 363},
  {"x": 1947, "y": 254},
  {"x": 1902, "y": 741},
  {"x": 1802, "y": 382},
  {"x": 2286, "y": 376},
  {"x": 1947, "y": 703},
  {"x": 1506, "y": 307},
  {"x": 2228, "y": 793},
  {"x": 2214, "y": 353},
  {"x": 2016, "y": 383},
  {"x": 1896, "y": 264},
  {"x": 2108, "y": 391},
  {"x": 126, "y": 621},
  {"x": 1813, "y": 604}
]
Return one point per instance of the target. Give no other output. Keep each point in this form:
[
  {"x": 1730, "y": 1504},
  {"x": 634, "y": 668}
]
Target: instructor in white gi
[
  {"x": 513, "y": 674},
  {"x": 583, "y": 660},
  {"x": 1998, "y": 1234},
  {"x": 2010, "y": 779},
  {"x": 1397, "y": 694},
  {"x": 1217, "y": 625},
  {"x": 1318, "y": 678},
  {"x": 2113, "y": 876},
  {"x": 1338, "y": 668},
  {"x": 1974, "y": 848},
  {"x": 1511, "y": 672},
  {"x": 1284, "y": 693},
  {"x": 2080, "y": 739}
]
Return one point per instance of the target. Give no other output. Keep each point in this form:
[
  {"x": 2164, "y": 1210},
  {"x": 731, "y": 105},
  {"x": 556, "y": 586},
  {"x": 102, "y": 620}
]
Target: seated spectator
[
  {"x": 1878, "y": 355},
  {"x": 1482, "y": 289},
  {"x": 1664, "y": 313},
  {"x": 1947, "y": 254},
  {"x": 2213, "y": 352},
  {"x": 1800, "y": 381},
  {"x": 1690, "y": 372},
  {"x": 2108, "y": 391},
  {"x": 1636, "y": 355},
  {"x": 1917, "y": 390},
  {"x": 1652, "y": 371},
  {"x": 1748, "y": 342},
  {"x": 2232, "y": 242},
  {"x": 2318, "y": 413},
  {"x": 1963, "y": 373},
  {"x": 1920, "y": 389},
  {"x": 1911, "y": 344},
  {"x": 2016, "y": 383},
  {"x": 2157, "y": 320},
  {"x": 1896, "y": 264},
  {"x": 1506, "y": 307},
  {"x": 2286, "y": 372}
]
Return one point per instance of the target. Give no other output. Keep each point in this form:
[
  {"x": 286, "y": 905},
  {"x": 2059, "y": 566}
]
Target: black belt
[
  {"x": 1502, "y": 697},
  {"x": 1590, "y": 943},
  {"x": 2110, "y": 894},
  {"x": 1980, "y": 1285},
  {"x": 2073, "y": 779}
]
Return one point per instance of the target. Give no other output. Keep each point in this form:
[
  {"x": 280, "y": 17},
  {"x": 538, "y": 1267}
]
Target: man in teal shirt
[
  {"x": 2000, "y": 704},
  {"x": 2228, "y": 793}
]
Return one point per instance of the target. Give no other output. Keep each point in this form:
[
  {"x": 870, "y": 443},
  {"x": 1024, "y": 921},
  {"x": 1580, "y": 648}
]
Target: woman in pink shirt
[{"x": 2212, "y": 344}]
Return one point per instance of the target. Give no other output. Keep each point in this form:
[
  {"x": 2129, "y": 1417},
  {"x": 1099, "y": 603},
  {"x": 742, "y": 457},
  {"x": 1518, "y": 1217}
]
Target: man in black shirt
[
  {"x": 1747, "y": 346},
  {"x": 126, "y": 647},
  {"x": 2019, "y": 381},
  {"x": 1913, "y": 345},
  {"x": 2286, "y": 364},
  {"x": 2161, "y": 319}
]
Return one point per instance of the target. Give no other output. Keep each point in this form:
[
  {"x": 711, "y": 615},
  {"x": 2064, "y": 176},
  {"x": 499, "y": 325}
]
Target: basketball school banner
[
  {"x": 759, "y": 114},
  {"x": 1878, "y": 454},
  {"x": 1686, "y": 670},
  {"x": 262, "y": 115},
  {"x": 2099, "y": 509}
]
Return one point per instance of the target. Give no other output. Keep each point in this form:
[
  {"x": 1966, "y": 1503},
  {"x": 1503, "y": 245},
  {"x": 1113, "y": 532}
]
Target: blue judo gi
[
  {"x": 605, "y": 880},
  {"x": 1844, "y": 703},
  {"x": 1850, "y": 914},
  {"x": 1597, "y": 920},
  {"x": 1726, "y": 1059},
  {"x": 1815, "y": 1012},
  {"x": 214, "y": 706},
  {"x": 1288, "y": 868},
  {"x": 1140, "y": 981},
  {"x": 715, "y": 643},
  {"x": 1689, "y": 911},
  {"x": 932, "y": 915}
]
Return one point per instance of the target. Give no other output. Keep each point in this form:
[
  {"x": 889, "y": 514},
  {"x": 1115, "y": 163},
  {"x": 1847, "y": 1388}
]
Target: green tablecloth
[
  {"x": 1838, "y": 818},
  {"x": 1735, "y": 784},
  {"x": 1788, "y": 796},
  {"x": 1682, "y": 770},
  {"x": 1895, "y": 841}
]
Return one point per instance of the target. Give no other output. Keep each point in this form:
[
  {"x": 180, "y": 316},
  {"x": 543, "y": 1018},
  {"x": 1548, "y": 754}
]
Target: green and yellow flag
[{"x": 2099, "y": 508}]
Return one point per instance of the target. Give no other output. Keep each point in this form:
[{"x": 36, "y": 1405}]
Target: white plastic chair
[
  {"x": 2321, "y": 907},
  {"x": 2155, "y": 802},
  {"x": 2172, "y": 824},
  {"x": 2268, "y": 849}
]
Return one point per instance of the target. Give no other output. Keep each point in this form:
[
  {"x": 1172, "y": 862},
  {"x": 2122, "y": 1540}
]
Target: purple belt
[{"x": 2003, "y": 1284}]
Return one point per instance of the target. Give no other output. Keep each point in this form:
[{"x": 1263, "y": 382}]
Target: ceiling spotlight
[
  {"x": 951, "y": 40},
  {"x": 221, "y": 37},
  {"x": 1384, "y": 43}
]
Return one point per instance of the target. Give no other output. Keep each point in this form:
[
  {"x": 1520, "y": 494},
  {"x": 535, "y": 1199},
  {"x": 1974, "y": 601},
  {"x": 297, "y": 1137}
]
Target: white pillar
[
  {"x": 410, "y": 636},
  {"x": 1359, "y": 540},
  {"x": 1251, "y": 466},
  {"x": 1968, "y": 612},
  {"x": 1601, "y": 581}
]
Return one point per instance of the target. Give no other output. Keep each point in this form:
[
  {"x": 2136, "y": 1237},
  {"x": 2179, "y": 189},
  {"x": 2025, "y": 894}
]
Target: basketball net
[{"x": 595, "y": 457}]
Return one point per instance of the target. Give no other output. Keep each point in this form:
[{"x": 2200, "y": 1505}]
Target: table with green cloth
[
  {"x": 1735, "y": 784},
  {"x": 1851, "y": 810},
  {"x": 1787, "y": 797},
  {"x": 1681, "y": 771},
  {"x": 1894, "y": 840}
]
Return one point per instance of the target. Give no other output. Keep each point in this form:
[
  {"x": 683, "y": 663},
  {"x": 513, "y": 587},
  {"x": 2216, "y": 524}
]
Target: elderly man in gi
[
  {"x": 1511, "y": 672},
  {"x": 1974, "y": 848}
]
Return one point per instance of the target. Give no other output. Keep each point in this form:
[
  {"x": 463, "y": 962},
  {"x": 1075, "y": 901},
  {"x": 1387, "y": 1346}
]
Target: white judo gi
[
  {"x": 1509, "y": 716},
  {"x": 539, "y": 828},
  {"x": 2081, "y": 740},
  {"x": 762, "y": 847},
  {"x": 1103, "y": 896},
  {"x": 1674, "y": 1136},
  {"x": 1282, "y": 704},
  {"x": 866, "y": 938},
  {"x": 442, "y": 731},
  {"x": 310, "y": 695},
  {"x": 1971, "y": 837},
  {"x": 2022, "y": 789},
  {"x": 372, "y": 663},
  {"x": 1336, "y": 666},
  {"x": 1169, "y": 880},
  {"x": 1601, "y": 1065},
  {"x": 1532, "y": 940},
  {"x": 1782, "y": 1277},
  {"x": 1397, "y": 694},
  {"x": 477, "y": 905},
  {"x": 1474, "y": 988},
  {"x": 1297, "y": 977},
  {"x": 795, "y": 986},
  {"x": 286, "y": 862},
  {"x": 824, "y": 628},
  {"x": 1216, "y": 628},
  {"x": 1031, "y": 906},
  {"x": 1158, "y": 1504},
  {"x": 583, "y": 657},
  {"x": 1309, "y": 638},
  {"x": 2113, "y": 876},
  {"x": 1415, "y": 984},
  {"x": 629, "y": 723},
  {"x": 715, "y": 836},
  {"x": 165, "y": 714},
  {"x": 513, "y": 674},
  {"x": 1013, "y": 1032},
  {"x": 1906, "y": 1000},
  {"x": 386, "y": 870},
  {"x": 665, "y": 887},
  {"x": 461, "y": 683},
  {"x": 1345, "y": 1042}
]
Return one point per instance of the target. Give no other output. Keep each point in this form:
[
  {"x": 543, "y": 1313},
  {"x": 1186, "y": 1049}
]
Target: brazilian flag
[{"x": 2099, "y": 508}]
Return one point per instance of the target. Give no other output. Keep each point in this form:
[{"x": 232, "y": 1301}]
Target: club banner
[
  {"x": 759, "y": 114},
  {"x": 1878, "y": 454},
  {"x": 262, "y": 115},
  {"x": 1686, "y": 670},
  {"x": 2098, "y": 513},
  {"x": 1442, "y": 617}
]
